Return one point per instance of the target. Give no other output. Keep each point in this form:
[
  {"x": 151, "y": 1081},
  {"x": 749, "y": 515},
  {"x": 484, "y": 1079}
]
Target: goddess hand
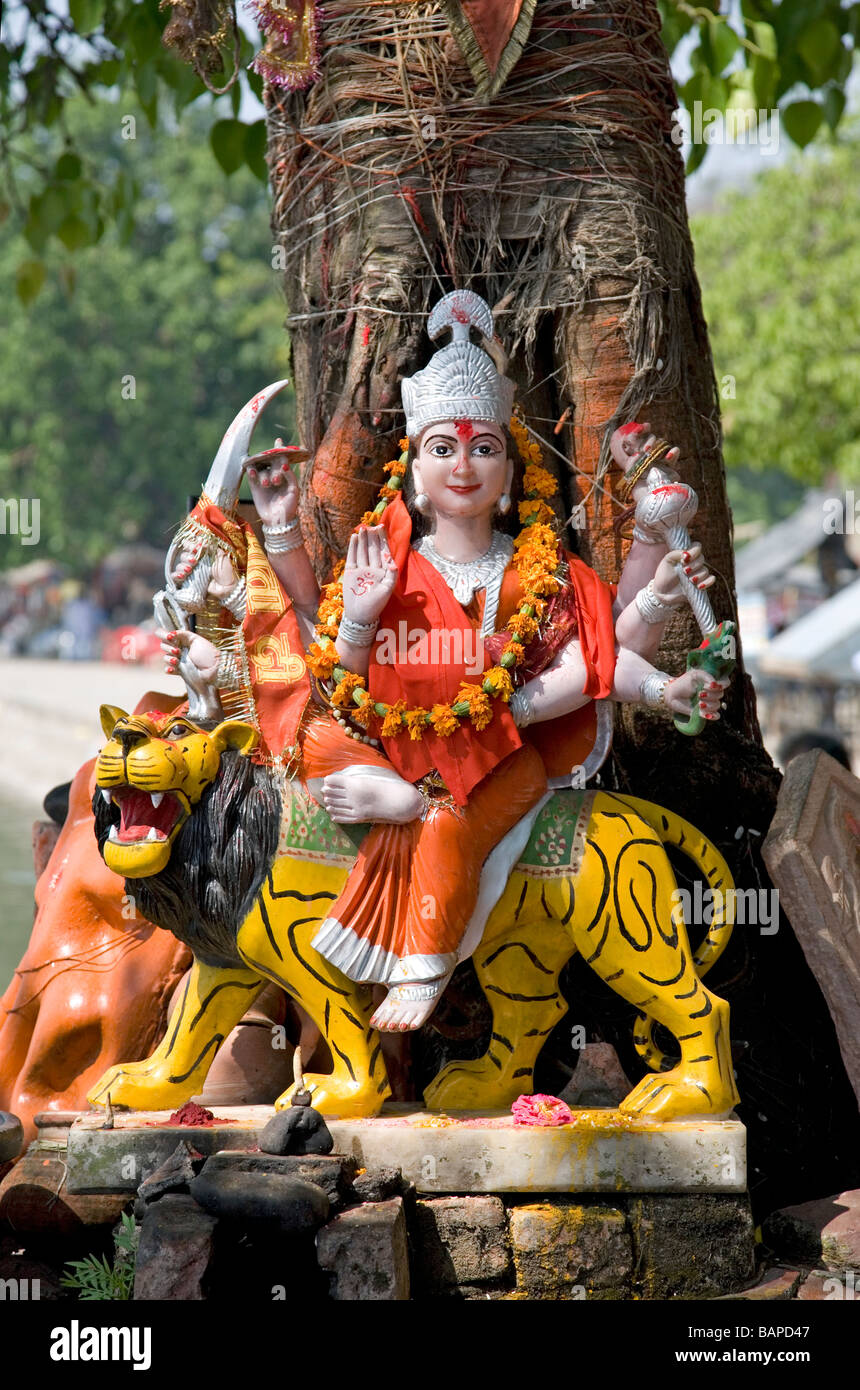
[
  {"x": 666, "y": 582},
  {"x": 203, "y": 653},
  {"x": 369, "y": 575},
  {"x": 224, "y": 577},
  {"x": 187, "y": 559},
  {"x": 696, "y": 688},
  {"x": 273, "y": 486}
]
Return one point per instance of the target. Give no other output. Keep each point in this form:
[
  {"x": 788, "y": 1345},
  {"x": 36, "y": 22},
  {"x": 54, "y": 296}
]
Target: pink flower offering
[{"x": 540, "y": 1110}]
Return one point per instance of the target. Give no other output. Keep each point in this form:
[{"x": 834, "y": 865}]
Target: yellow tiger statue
[{"x": 242, "y": 866}]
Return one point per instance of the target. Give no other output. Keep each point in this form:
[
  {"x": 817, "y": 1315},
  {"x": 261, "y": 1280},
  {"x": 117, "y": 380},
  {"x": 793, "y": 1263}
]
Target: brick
[
  {"x": 461, "y": 1241},
  {"x": 175, "y": 1252},
  {"x": 824, "y": 1232},
  {"x": 571, "y": 1250},
  {"x": 692, "y": 1246},
  {"x": 364, "y": 1251}
]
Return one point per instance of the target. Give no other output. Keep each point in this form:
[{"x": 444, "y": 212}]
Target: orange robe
[{"x": 410, "y": 897}]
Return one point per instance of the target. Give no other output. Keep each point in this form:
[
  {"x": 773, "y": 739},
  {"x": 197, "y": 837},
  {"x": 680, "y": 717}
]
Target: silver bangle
[
  {"x": 236, "y": 601},
  {"x": 282, "y": 541},
  {"x": 357, "y": 634},
  {"x": 650, "y": 608},
  {"x": 643, "y": 536},
  {"x": 286, "y": 530},
  {"x": 521, "y": 708},
  {"x": 227, "y": 672},
  {"x": 652, "y": 689}
]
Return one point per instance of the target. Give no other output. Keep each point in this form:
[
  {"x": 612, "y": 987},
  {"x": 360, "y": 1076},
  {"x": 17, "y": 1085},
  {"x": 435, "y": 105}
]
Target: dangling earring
[
  {"x": 422, "y": 502},
  {"x": 504, "y": 504}
]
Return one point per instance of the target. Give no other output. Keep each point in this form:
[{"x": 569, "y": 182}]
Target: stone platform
[{"x": 603, "y": 1151}]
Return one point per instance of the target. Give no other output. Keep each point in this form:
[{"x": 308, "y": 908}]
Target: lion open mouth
[{"x": 143, "y": 816}]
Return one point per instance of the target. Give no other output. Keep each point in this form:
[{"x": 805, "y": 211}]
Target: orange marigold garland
[{"x": 536, "y": 559}]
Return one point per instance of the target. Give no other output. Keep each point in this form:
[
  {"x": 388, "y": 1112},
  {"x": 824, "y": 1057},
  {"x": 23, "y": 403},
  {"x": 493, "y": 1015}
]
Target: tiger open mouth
[{"x": 139, "y": 817}]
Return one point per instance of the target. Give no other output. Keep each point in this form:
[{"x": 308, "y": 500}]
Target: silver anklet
[
  {"x": 652, "y": 689},
  {"x": 521, "y": 708},
  {"x": 357, "y": 634},
  {"x": 651, "y": 608}
]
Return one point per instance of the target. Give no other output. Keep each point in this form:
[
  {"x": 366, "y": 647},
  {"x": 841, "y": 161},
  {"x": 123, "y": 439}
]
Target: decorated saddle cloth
[{"x": 553, "y": 845}]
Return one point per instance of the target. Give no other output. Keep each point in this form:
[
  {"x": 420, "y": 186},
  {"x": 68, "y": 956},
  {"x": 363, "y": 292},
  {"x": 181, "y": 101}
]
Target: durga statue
[
  {"x": 455, "y": 674},
  {"x": 372, "y": 782}
]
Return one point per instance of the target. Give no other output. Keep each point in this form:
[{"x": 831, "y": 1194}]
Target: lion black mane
[{"x": 218, "y": 863}]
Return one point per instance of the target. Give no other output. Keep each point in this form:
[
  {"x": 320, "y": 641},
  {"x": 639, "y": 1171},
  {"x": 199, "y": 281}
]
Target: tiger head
[{"x": 152, "y": 771}]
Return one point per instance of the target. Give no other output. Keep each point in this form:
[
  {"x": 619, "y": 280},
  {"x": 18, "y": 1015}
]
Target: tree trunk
[{"x": 562, "y": 203}]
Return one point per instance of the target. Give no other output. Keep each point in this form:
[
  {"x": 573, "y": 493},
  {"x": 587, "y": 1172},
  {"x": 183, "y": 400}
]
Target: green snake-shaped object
[{"x": 717, "y": 655}]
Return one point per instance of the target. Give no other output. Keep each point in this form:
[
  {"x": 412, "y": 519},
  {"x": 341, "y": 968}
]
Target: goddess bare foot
[
  {"x": 350, "y": 797},
  {"x": 406, "y": 1007}
]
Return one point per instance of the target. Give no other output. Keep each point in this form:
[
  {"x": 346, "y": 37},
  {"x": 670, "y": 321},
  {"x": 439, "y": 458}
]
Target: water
[{"x": 17, "y": 881}]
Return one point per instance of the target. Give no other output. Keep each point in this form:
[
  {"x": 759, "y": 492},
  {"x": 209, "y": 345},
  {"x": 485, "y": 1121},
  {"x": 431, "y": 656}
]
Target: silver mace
[
  {"x": 668, "y": 508},
  {"x": 222, "y": 488}
]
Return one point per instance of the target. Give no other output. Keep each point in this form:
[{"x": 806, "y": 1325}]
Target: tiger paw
[
  {"x": 145, "y": 1085},
  {"x": 675, "y": 1095},
  {"x": 340, "y": 1097},
  {"x": 477, "y": 1085}
]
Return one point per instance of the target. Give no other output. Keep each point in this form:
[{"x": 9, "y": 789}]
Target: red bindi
[{"x": 465, "y": 429}]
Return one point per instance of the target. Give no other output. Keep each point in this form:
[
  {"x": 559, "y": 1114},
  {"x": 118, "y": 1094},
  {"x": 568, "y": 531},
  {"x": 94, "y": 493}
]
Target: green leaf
[
  {"x": 227, "y": 139},
  {"x": 86, "y": 15},
  {"x": 819, "y": 46},
  {"x": 697, "y": 154},
  {"x": 834, "y": 105},
  {"x": 255, "y": 150},
  {"x": 801, "y": 121},
  {"x": 764, "y": 37},
  {"x": 36, "y": 231},
  {"x": 68, "y": 167},
  {"x": 29, "y": 279},
  {"x": 725, "y": 44},
  {"x": 74, "y": 232},
  {"x": 145, "y": 83},
  {"x": 764, "y": 77}
]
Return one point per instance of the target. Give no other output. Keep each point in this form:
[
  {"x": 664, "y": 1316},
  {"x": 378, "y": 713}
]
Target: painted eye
[{"x": 177, "y": 731}]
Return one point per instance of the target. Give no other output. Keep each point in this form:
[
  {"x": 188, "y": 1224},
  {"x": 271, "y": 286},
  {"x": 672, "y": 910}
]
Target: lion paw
[
  {"x": 341, "y": 1098},
  {"x": 673, "y": 1095},
  {"x": 142, "y": 1086},
  {"x": 476, "y": 1085}
]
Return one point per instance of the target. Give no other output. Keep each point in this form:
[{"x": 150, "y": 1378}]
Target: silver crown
[{"x": 461, "y": 381}]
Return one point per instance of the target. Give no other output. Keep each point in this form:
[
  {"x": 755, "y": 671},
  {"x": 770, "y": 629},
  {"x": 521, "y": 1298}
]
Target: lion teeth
[
  {"x": 106, "y": 795},
  {"x": 153, "y": 833},
  {"x": 157, "y": 798},
  {"x": 113, "y": 833}
]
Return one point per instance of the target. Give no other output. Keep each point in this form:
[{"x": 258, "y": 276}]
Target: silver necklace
[{"x": 465, "y": 577}]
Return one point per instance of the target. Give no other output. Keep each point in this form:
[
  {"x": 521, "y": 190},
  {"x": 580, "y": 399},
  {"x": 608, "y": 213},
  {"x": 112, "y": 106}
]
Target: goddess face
[{"x": 463, "y": 467}]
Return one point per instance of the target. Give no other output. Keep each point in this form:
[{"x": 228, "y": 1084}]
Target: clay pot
[{"x": 247, "y": 1069}]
